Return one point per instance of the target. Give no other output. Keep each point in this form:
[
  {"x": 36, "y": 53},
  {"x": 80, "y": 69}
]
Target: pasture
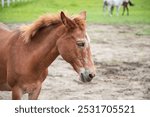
[
  {"x": 120, "y": 48},
  {"x": 31, "y": 10}
]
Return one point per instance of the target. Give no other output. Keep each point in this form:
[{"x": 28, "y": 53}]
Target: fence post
[
  {"x": 2, "y": 3},
  {"x": 8, "y": 2}
]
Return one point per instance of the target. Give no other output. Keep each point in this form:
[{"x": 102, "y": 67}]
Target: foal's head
[{"x": 74, "y": 46}]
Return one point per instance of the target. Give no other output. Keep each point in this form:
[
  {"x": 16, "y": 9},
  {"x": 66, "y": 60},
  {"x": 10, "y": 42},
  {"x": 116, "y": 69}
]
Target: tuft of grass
[{"x": 32, "y": 9}]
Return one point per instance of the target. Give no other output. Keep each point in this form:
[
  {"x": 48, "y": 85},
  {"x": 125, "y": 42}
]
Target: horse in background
[
  {"x": 125, "y": 6},
  {"x": 26, "y": 53},
  {"x": 110, "y": 4}
]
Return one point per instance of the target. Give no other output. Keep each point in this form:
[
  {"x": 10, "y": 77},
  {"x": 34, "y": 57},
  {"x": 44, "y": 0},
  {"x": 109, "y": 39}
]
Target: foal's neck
[{"x": 46, "y": 42}]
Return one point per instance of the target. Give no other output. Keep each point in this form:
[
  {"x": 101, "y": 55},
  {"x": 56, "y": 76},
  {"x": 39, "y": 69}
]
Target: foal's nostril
[{"x": 91, "y": 75}]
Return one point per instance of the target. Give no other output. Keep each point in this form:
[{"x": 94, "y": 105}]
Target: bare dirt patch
[{"x": 122, "y": 58}]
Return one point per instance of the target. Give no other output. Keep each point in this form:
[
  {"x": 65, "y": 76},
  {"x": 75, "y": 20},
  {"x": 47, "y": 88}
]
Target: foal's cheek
[{"x": 64, "y": 54}]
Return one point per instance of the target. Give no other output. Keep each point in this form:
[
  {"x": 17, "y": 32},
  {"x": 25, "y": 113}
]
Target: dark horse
[
  {"x": 125, "y": 6},
  {"x": 25, "y": 54}
]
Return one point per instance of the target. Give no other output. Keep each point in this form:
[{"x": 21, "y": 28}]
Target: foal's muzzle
[{"x": 86, "y": 75}]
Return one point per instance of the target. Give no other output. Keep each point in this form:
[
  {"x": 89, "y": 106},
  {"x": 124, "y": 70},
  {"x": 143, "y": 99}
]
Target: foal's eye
[{"x": 81, "y": 44}]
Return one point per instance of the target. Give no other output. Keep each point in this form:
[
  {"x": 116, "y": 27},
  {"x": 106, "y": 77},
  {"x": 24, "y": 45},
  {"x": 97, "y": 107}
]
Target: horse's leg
[
  {"x": 112, "y": 9},
  {"x": 104, "y": 9},
  {"x": 34, "y": 95},
  {"x": 127, "y": 11},
  {"x": 109, "y": 10},
  {"x": 17, "y": 93},
  {"x": 117, "y": 10},
  {"x": 123, "y": 10}
]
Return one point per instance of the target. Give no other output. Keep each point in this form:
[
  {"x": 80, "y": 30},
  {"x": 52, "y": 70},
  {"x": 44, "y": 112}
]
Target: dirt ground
[{"x": 122, "y": 58}]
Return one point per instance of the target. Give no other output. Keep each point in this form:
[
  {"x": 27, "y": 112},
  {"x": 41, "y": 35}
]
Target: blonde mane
[{"x": 28, "y": 31}]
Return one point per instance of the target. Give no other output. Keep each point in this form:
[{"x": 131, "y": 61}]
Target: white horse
[{"x": 111, "y": 4}]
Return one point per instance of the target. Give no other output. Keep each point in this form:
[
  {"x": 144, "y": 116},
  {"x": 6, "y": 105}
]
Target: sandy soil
[{"x": 122, "y": 58}]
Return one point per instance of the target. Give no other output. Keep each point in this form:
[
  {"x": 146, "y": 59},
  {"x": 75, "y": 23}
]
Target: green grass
[{"x": 31, "y": 10}]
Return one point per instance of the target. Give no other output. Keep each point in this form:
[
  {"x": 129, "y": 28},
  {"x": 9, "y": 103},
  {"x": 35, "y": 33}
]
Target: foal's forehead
[{"x": 85, "y": 37}]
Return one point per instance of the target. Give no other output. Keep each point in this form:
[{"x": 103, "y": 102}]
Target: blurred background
[{"x": 29, "y": 10}]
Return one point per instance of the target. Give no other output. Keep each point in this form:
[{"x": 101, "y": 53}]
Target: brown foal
[{"x": 26, "y": 53}]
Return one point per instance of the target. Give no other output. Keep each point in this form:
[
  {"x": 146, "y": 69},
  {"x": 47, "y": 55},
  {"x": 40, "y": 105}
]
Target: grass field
[{"x": 31, "y": 10}]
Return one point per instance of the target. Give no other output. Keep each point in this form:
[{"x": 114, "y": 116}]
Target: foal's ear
[
  {"x": 83, "y": 15},
  {"x": 66, "y": 21}
]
